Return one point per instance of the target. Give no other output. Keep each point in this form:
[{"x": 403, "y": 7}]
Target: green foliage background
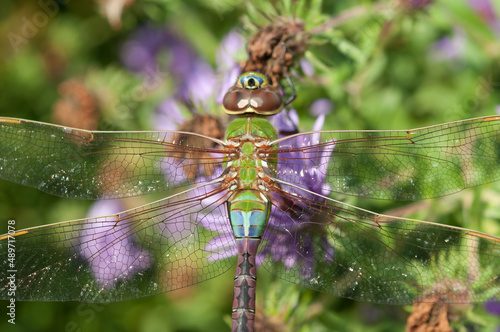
[{"x": 377, "y": 68}]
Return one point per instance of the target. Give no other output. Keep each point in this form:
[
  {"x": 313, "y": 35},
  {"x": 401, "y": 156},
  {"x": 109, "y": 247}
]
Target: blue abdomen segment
[
  {"x": 248, "y": 213},
  {"x": 248, "y": 224}
]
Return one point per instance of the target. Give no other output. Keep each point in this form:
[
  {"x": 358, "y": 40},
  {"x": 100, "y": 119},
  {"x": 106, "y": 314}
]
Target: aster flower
[
  {"x": 312, "y": 176},
  {"x": 199, "y": 84},
  {"x": 195, "y": 78},
  {"x": 169, "y": 115},
  {"x": 110, "y": 260},
  {"x": 286, "y": 123},
  {"x": 450, "y": 47},
  {"x": 307, "y": 67},
  {"x": 227, "y": 67},
  {"x": 321, "y": 106},
  {"x": 289, "y": 240},
  {"x": 140, "y": 52},
  {"x": 493, "y": 308},
  {"x": 453, "y": 47}
]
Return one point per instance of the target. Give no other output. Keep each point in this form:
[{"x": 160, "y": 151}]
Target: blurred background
[{"x": 126, "y": 65}]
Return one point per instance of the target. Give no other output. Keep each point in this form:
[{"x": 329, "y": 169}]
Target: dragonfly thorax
[
  {"x": 249, "y": 141},
  {"x": 247, "y": 166}
]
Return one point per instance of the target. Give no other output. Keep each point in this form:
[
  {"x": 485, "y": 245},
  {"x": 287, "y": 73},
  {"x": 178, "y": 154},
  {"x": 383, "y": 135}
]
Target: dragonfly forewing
[
  {"x": 396, "y": 165},
  {"x": 77, "y": 163}
]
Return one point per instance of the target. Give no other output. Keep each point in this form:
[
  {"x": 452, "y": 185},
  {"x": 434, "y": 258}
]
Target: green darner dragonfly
[{"x": 254, "y": 195}]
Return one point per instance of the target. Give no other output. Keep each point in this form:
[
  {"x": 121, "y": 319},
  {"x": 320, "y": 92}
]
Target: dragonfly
[{"x": 253, "y": 194}]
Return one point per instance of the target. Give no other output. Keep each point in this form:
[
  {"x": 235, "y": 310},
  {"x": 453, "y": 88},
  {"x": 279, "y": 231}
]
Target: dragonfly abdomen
[
  {"x": 248, "y": 213},
  {"x": 245, "y": 280}
]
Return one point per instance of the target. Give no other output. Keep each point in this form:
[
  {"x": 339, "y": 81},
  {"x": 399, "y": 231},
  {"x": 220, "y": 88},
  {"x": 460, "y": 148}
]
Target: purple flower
[
  {"x": 227, "y": 67},
  {"x": 230, "y": 46},
  {"x": 291, "y": 238},
  {"x": 109, "y": 247},
  {"x": 311, "y": 177},
  {"x": 140, "y": 52},
  {"x": 198, "y": 85},
  {"x": 195, "y": 79},
  {"x": 169, "y": 115},
  {"x": 497, "y": 109},
  {"x": 494, "y": 308},
  {"x": 287, "y": 123},
  {"x": 449, "y": 48},
  {"x": 307, "y": 67},
  {"x": 321, "y": 106}
]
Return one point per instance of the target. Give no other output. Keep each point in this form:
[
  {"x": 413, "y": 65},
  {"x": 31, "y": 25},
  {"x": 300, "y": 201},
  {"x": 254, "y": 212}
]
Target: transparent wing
[
  {"x": 396, "y": 165},
  {"x": 84, "y": 164},
  {"x": 149, "y": 250},
  {"x": 328, "y": 246}
]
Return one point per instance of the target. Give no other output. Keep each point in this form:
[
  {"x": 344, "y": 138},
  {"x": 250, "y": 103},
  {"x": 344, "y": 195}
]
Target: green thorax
[
  {"x": 252, "y": 126},
  {"x": 250, "y": 132}
]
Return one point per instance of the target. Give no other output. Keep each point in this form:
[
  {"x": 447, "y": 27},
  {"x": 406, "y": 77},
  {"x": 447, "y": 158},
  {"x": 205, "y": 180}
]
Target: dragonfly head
[{"x": 252, "y": 94}]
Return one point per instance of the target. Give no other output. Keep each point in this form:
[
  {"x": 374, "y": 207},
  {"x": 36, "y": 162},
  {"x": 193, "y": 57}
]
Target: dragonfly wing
[
  {"x": 397, "y": 165},
  {"x": 149, "y": 250},
  {"x": 85, "y": 164},
  {"x": 335, "y": 248}
]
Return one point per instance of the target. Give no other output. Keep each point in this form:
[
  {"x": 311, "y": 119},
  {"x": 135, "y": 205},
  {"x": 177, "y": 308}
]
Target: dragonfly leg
[{"x": 287, "y": 77}]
